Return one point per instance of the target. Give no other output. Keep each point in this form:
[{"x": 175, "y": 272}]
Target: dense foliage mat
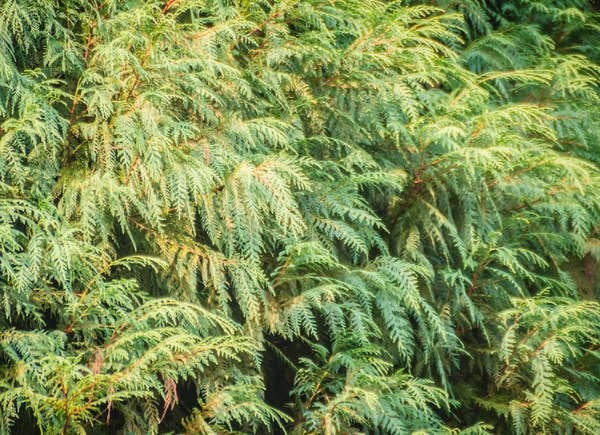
[{"x": 301, "y": 216}]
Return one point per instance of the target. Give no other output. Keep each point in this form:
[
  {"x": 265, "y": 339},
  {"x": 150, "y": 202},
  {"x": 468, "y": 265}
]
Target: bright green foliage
[
  {"x": 299, "y": 216},
  {"x": 363, "y": 392}
]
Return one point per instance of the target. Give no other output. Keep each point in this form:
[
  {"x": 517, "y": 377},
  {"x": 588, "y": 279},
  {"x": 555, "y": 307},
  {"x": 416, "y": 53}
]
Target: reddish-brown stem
[
  {"x": 131, "y": 168},
  {"x": 168, "y": 5}
]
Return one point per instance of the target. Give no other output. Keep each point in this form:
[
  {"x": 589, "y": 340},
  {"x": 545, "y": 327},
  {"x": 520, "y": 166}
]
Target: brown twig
[{"x": 168, "y": 5}]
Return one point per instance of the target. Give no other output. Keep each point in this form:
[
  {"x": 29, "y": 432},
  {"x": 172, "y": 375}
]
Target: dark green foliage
[{"x": 303, "y": 216}]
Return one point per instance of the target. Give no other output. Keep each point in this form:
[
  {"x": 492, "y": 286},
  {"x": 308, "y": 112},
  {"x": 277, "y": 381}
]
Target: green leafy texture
[{"x": 299, "y": 216}]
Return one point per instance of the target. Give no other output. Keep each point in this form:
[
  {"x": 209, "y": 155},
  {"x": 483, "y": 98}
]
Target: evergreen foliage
[{"x": 299, "y": 216}]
